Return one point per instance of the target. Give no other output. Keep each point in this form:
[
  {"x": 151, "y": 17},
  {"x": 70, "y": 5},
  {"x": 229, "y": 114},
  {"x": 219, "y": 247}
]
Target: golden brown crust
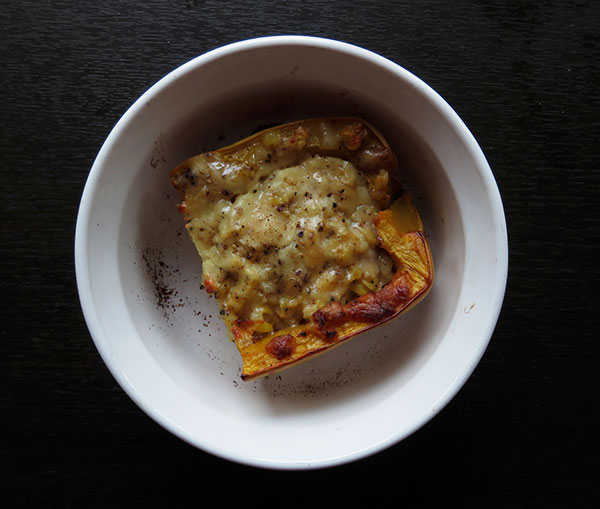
[
  {"x": 372, "y": 307},
  {"x": 281, "y": 347}
]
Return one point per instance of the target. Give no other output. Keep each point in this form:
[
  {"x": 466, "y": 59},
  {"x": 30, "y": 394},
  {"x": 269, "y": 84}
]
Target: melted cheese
[{"x": 280, "y": 245}]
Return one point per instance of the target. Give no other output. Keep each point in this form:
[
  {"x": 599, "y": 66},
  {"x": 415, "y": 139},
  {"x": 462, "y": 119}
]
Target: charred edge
[
  {"x": 241, "y": 328},
  {"x": 281, "y": 347},
  {"x": 285, "y": 364},
  {"x": 371, "y": 308},
  {"x": 352, "y": 135},
  {"x": 210, "y": 286}
]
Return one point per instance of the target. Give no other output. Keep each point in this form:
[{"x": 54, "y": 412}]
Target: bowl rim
[{"x": 85, "y": 210}]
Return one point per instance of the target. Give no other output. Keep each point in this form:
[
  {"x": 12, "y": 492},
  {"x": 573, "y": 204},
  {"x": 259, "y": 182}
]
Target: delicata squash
[{"x": 305, "y": 236}]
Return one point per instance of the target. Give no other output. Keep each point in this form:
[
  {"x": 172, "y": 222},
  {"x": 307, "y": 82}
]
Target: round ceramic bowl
[{"x": 139, "y": 276}]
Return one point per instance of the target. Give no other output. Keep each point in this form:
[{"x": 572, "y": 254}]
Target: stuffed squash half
[{"x": 306, "y": 238}]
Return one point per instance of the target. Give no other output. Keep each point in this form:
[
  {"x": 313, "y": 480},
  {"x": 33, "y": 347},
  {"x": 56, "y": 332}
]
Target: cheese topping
[{"x": 290, "y": 241}]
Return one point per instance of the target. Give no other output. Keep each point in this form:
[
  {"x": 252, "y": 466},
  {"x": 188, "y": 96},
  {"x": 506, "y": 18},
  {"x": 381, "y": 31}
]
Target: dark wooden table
[{"x": 524, "y": 77}]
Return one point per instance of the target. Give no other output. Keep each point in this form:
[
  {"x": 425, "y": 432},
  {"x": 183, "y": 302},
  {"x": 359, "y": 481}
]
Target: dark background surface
[{"x": 522, "y": 75}]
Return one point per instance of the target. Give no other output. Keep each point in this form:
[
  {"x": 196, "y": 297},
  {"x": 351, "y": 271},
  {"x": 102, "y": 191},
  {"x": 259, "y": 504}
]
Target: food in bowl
[{"x": 306, "y": 238}]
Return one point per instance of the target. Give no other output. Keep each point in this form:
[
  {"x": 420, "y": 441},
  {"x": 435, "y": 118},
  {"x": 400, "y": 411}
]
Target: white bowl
[{"x": 139, "y": 275}]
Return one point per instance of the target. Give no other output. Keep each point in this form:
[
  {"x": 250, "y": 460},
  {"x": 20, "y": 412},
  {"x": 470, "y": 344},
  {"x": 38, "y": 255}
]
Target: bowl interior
[{"x": 161, "y": 335}]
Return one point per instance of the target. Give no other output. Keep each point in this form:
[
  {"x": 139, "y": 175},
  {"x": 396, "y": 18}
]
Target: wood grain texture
[{"x": 524, "y": 77}]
